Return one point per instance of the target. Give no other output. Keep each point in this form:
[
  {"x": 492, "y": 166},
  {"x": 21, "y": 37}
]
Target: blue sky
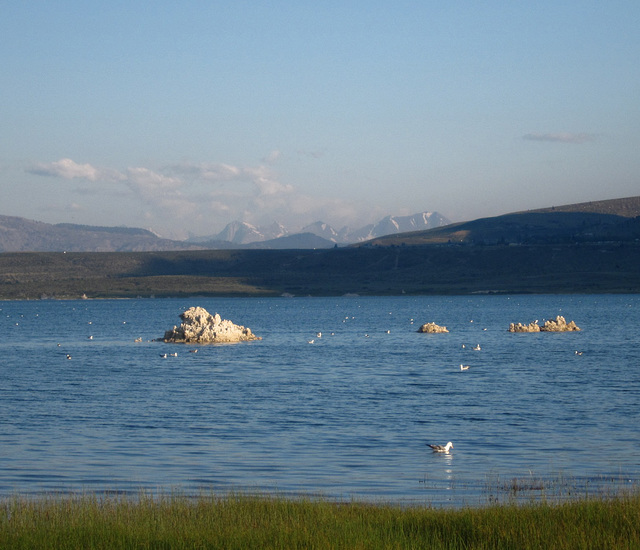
[{"x": 184, "y": 116}]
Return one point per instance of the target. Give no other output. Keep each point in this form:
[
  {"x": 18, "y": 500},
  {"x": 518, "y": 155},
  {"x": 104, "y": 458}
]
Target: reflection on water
[
  {"x": 346, "y": 417},
  {"x": 448, "y": 472}
]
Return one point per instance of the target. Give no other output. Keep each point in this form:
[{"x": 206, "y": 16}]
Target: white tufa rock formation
[
  {"x": 200, "y": 327},
  {"x": 559, "y": 324},
  {"x": 519, "y": 327},
  {"x": 432, "y": 328}
]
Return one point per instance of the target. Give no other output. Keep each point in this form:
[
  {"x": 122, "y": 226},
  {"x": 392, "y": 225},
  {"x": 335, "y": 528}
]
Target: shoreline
[
  {"x": 179, "y": 296},
  {"x": 367, "y": 271},
  {"x": 553, "y": 489}
]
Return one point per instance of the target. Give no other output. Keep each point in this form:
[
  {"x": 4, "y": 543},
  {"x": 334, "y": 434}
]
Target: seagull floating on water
[
  {"x": 464, "y": 367},
  {"x": 441, "y": 448},
  {"x": 477, "y": 348}
]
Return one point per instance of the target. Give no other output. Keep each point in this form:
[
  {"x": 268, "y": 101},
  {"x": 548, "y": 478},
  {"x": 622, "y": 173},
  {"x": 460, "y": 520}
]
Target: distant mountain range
[
  {"x": 616, "y": 220},
  {"x": 242, "y": 233},
  {"x": 24, "y": 235}
]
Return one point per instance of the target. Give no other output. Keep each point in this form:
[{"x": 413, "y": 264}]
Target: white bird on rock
[{"x": 441, "y": 448}]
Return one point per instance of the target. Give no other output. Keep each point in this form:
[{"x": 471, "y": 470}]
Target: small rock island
[
  {"x": 559, "y": 324},
  {"x": 432, "y": 328},
  {"x": 200, "y": 327}
]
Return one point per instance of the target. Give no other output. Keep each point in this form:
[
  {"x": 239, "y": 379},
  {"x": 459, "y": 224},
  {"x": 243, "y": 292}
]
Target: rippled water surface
[{"x": 347, "y": 416}]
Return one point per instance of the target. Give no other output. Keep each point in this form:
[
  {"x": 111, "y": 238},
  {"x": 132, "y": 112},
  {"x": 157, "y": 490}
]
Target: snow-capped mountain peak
[
  {"x": 245, "y": 233},
  {"x": 323, "y": 230}
]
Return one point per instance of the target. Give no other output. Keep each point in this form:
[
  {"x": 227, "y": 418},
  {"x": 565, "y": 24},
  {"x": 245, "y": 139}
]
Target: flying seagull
[{"x": 441, "y": 448}]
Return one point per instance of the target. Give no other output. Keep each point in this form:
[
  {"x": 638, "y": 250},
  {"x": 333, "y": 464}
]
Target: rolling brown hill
[
  {"x": 21, "y": 234},
  {"x": 628, "y": 207},
  {"x": 612, "y": 220}
]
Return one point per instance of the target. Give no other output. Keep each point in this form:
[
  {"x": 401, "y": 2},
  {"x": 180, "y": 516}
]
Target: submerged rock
[
  {"x": 559, "y": 324},
  {"x": 199, "y": 326},
  {"x": 432, "y": 328}
]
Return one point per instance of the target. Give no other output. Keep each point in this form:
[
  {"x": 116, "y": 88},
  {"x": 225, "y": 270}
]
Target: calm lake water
[{"x": 347, "y": 416}]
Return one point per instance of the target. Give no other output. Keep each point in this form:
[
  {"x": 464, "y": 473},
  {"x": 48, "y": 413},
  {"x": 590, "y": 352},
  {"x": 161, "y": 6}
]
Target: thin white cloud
[
  {"x": 563, "y": 137},
  {"x": 265, "y": 182},
  {"x": 261, "y": 177},
  {"x": 211, "y": 172},
  {"x": 169, "y": 177},
  {"x": 201, "y": 198},
  {"x": 197, "y": 193},
  {"x": 68, "y": 169},
  {"x": 150, "y": 181},
  {"x": 272, "y": 157}
]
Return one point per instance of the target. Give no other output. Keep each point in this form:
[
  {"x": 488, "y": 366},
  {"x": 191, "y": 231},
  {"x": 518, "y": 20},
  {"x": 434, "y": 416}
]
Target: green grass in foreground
[{"x": 271, "y": 522}]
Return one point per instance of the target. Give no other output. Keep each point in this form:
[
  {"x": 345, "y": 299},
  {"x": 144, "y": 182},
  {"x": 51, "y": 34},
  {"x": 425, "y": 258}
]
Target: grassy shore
[
  {"x": 92, "y": 521},
  {"x": 375, "y": 271}
]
